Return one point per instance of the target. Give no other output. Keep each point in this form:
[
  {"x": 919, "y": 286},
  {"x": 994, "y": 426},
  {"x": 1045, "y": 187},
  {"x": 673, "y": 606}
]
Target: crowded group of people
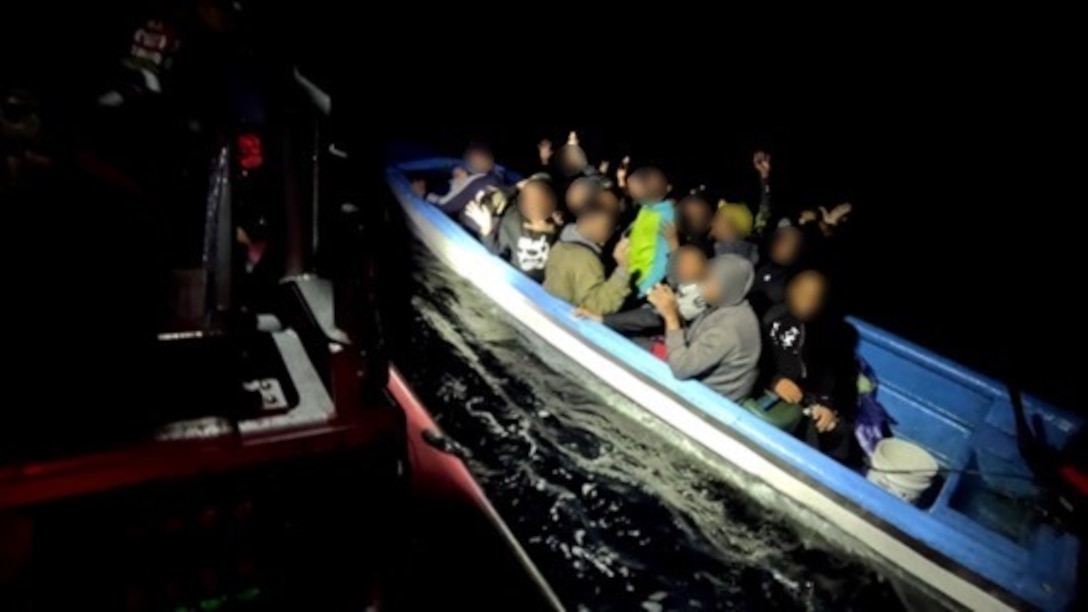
[{"x": 728, "y": 295}]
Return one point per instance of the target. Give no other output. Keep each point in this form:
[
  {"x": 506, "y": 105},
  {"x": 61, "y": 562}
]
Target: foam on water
[{"x": 618, "y": 510}]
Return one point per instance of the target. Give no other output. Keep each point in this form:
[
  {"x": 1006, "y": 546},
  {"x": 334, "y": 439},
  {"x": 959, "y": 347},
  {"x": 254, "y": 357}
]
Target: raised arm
[
  {"x": 762, "y": 163},
  {"x": 621, "y": 173},
  {"x": 544, "y": 150}
]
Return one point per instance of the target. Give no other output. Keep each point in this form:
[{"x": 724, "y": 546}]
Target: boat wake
[{"x": 618, "y": 510}]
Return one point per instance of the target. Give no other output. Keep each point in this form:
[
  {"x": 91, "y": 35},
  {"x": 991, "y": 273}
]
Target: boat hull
[{"x": 927, "y": 547}]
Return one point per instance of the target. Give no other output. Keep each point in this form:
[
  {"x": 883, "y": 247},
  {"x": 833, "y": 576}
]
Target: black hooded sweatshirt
[
  {"x": 769, "y": 289},
  {"x": 525, "y": 249},
  {"x": 816, "y": 355}
]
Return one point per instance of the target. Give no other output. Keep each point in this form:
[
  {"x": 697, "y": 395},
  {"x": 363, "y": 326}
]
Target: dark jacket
[
  {"x": 525, "y": 249},
  {"x": 769, "y": 289},
  {"x": 743, "y": 248},
  {"x": 703, "y": 242},
  {"x": 816, "y": 355},
  {"x": 642, "y": 320},
  {"x": 462, "y": 192}
]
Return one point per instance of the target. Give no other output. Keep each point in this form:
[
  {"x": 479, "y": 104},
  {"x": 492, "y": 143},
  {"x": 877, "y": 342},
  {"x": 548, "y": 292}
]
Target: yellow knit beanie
[{"x": 738, "y": 215}]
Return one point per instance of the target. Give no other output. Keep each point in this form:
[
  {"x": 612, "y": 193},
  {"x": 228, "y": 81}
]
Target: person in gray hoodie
[{"x": 721, "y": 346}]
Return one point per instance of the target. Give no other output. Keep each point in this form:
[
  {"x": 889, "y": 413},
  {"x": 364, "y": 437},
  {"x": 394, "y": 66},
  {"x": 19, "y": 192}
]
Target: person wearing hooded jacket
[
  {"x": 575, "y": 272},
  {"x": 809, "y": 362},
  {"x": 477, "y": 174},
  {"x": 721, "y": 346}
]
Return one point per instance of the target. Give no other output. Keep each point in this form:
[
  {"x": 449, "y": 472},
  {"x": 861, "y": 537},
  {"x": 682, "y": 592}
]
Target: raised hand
[
  {"x": 572, "y": 138},
  {"x": 762, "y": 163},
  {"x": 603, "y": 166},
  {"x": 836, "y": 214},
  {"x": 807, "y": 216},
  {"x": 620, "y": 253},
  {"x": 481, "y": 216},
  {"x": 621, "y": 172},
  {"x": 544, "y": 149},
  {"x": 663, "y": 299}
]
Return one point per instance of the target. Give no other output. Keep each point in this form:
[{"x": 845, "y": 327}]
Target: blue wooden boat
[{"x": 967, "y": 545}]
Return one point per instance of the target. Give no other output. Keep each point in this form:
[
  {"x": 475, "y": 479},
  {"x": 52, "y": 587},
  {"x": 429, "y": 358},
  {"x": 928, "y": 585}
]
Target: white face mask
[{"x": 690, "y": 300}]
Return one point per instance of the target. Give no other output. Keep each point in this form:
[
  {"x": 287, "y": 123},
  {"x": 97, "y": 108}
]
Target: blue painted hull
[{"x": 969, "y": 546}]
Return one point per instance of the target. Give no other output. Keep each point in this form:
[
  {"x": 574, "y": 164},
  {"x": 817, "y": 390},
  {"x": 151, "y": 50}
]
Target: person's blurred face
[
  {"x": 637, "y": 188},
  {"x": 657, "y": 187},
  {"x": 648, "y": 186},
  {"x": 710, "y": 287},
  {"x": 480, "y": 162},
  {"x": 572, "y": 160},
  {"x": 722, "y": 230},
  {"x": 536, "y": 202},
  {"x": 608, "y": 201},
  {"x": 579, "y": 195},
  {"x": 691, "y": 265},
  {"x": 696, "y": 216},
  {"x": 596, "y": 226},
  {"x": 806, "y": 295},
  {"x": 786, "y": 246}
]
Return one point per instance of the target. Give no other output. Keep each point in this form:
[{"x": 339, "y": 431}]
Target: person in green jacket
[{"x": 575, "y": 272}]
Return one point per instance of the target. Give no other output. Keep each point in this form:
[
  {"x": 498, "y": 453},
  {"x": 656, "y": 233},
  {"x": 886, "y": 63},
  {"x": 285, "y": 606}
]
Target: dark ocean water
[{"x": 618, "y": 511}]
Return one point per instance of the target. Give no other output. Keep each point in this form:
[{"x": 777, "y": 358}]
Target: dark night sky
[{"x": 964, "y": 231}]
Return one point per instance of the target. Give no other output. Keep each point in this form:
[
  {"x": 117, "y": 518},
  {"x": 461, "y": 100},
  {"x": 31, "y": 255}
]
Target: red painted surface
[
  {"x": 434, "y": 473},
  {"x": 35, "y": 483}
]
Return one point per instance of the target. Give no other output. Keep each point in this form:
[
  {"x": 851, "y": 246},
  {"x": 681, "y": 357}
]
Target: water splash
[{"x": 618, "y": 510}]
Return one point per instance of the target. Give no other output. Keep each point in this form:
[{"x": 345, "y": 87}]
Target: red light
[{"x": 250, "y": 154}]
